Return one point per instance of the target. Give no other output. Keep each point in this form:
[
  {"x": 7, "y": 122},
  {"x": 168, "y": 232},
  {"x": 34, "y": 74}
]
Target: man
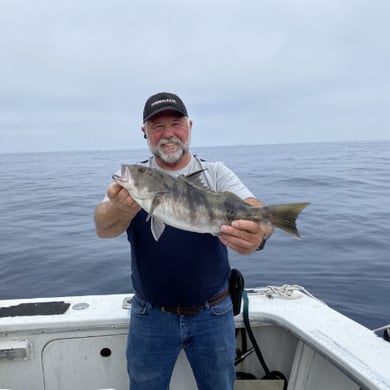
[{"x": 180, "y": 281}]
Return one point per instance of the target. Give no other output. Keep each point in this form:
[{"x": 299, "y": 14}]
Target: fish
[{"x": 186, "y": 203}]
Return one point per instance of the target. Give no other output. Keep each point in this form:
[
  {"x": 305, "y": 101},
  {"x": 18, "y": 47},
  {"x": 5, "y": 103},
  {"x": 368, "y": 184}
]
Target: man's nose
[{"x": 168, "y": 131}]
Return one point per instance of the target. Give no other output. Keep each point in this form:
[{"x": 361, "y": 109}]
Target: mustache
[{"x": 171, "y": 140}]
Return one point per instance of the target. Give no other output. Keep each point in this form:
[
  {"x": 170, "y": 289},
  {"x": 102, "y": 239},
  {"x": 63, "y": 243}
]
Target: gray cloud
[{"x": 75, "y": 74}]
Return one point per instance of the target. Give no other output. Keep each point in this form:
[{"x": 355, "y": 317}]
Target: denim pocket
[
  {"x": 222, "y": 307},
  {"x": 139, "y": 306}
]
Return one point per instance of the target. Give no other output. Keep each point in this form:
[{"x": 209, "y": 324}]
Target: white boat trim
[{"x": 321, "y": 342}]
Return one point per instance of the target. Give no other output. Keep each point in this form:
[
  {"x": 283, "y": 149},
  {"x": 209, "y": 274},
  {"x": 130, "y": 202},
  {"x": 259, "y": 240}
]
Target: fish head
[{"x": 142, "y": 182}]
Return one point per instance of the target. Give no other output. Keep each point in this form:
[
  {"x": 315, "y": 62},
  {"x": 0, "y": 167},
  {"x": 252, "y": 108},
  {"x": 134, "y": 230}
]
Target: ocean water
[{"x": 49, "y": 247}]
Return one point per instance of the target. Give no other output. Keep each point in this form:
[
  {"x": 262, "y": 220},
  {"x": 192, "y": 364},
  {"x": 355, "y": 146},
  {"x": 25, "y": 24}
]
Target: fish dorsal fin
[{"x": 194, "y": 179}]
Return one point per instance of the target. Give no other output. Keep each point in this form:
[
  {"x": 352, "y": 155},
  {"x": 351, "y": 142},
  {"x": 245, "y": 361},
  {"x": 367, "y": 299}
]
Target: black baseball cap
[{"x": 163, "y": 101}]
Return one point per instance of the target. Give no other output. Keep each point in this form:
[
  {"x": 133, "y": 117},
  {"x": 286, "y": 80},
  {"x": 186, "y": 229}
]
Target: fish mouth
[
  {"x": 117, "y": 178},
  {"x": 124, "y": 177}
]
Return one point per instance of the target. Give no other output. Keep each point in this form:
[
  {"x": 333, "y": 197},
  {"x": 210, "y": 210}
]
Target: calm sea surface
[{"x": 49, "y": 247}]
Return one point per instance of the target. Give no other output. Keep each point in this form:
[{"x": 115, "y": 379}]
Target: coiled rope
[{"x": 285, "y": 291}]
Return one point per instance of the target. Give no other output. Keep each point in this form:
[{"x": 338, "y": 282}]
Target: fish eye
[{"x": 141, "y": 169}]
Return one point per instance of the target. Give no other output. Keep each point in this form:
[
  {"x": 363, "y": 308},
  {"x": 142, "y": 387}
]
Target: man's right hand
[
  {"x": 121, "y": 198},
  {"x": 114, "y": 216}
]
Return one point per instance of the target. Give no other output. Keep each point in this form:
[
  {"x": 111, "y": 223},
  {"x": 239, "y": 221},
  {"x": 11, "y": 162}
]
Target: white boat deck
[{"x": 40, "y": 345}]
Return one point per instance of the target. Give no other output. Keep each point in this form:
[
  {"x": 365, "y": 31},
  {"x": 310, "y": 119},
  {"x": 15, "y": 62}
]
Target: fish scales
[
  {"x": 180, "y": 204},
  {"x": 202, "y": 207},
  {"x": 185, "y": 203},
  {"x": 193, "y": 206}
]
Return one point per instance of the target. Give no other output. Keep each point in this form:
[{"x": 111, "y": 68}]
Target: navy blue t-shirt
[{"x": 181, "y": 268}]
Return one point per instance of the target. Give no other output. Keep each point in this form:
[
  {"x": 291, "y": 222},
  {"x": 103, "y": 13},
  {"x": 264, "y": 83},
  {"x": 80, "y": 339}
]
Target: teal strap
[
  {"x": 248, "y": 328},
  {"x": 268, "y": 374}
]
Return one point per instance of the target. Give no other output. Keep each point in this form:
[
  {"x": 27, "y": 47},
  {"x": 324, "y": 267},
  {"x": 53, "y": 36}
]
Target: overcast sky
[{"x": 74, "y": 74}]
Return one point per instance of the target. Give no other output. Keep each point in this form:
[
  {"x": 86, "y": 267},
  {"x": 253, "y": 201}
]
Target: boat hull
[{"x": 314, "y": 346}]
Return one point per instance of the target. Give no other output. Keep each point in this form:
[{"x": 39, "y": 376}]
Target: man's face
[{"x": 168, "y": 136}]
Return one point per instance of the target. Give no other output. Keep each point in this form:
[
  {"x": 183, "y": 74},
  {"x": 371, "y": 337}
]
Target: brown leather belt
[{"x": 192, "y": 310}]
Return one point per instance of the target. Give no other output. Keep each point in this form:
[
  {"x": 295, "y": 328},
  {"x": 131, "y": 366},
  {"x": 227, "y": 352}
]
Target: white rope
[{"x": 286, "y": 291}]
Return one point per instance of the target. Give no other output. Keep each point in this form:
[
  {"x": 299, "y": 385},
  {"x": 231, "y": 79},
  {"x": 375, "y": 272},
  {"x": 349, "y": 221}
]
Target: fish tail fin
[{"x": 284, "y": 216}]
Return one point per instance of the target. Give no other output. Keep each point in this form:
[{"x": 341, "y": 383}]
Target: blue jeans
[{"x": 156, "y": 338}]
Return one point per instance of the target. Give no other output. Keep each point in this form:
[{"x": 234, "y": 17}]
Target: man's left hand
[{"x": 242, "y": 236}]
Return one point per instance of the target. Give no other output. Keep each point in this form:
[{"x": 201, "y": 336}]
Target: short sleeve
[{"x": 227, "y": 180}]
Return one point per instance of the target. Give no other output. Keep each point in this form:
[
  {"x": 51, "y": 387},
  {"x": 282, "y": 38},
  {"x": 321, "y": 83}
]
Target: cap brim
[{"x": 164, "y": 109}]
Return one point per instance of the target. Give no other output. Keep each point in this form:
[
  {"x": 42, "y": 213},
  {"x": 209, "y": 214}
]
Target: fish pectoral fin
[
  {"x": 158, "y": 227},
  {"x": 155, "y": 202},
  {"x": 194, "y": 179}
]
